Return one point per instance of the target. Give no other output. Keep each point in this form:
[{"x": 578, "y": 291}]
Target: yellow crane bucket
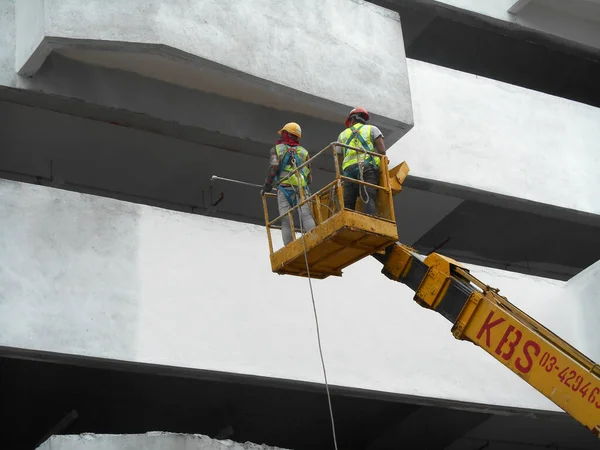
[{"x": 341, "y": 236}]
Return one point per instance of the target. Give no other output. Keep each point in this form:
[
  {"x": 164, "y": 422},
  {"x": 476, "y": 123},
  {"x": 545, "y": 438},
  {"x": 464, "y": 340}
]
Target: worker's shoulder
[
  {"x": 375, "y": 131},
  {"x": 342, "y": 134},
  {"x": 301, "y": 148}
]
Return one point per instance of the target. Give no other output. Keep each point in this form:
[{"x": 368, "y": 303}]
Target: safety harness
[
  {"x": 290, "y": 193},
  {"x": 358, "y": 172},
  {"x": 356, "y": 135}
]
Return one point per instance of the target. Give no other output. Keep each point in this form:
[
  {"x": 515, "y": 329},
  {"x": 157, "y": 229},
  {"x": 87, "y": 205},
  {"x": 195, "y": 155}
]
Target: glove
[{"x": 266, "y": 188}]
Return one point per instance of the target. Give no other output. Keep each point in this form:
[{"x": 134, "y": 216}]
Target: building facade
[{"x": 137, "y": 293}]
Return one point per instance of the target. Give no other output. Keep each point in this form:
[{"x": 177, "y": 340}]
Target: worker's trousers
[
  {"x": 306, "y": 223},
  {"x": 351, "y": 190}
]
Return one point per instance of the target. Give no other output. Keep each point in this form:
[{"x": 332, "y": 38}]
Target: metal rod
[
  {"x": 339, "y": 190},
  {"x": 268, "y": 226},
  {"x": 352, "y": 180},
  {"x": 360, "y": 150},
  {"x": 390, "y": 196},
  {"x": 306, "y": 200},
  {"x": 331, "y": 146},
  {"x": 214, "y": 177}
]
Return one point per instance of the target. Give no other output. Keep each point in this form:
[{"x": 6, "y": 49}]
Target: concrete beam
[
  {"x": 429, "y": 429},
  {"x": 312, "y": 65}
]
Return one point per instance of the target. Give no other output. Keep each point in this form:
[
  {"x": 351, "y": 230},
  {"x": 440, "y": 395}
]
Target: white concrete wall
[
  {"x": 31, "y": 30},
  {"x": 584, "y": 290},
  {"x": 147, "y": 441},
  {"x": 92, "y": 276},
  {"x": 305, "y": 46},
  {"x": 7, "y": 43},
  {"x": 496, "y": 137}
]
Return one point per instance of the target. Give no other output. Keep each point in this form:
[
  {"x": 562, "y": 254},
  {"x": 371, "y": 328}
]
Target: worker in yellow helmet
[
  {"x": 284, "y": 157},
  {"x": 357, "y": 165}
]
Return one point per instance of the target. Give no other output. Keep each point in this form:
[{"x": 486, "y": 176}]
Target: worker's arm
[
  {"x": 377, "y": 137},
  {"x": 309, "y": 166},
  {"x": 380, "y": 145},
  {"x": 273, "y": 170},
  {"x": 340, "y": 154}
]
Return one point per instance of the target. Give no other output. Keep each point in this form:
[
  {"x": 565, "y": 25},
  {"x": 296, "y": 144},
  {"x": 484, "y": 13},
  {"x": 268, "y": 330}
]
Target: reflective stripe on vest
[
  {"x": 359, "y": 136},
  {"x": 295, "y": 152}
]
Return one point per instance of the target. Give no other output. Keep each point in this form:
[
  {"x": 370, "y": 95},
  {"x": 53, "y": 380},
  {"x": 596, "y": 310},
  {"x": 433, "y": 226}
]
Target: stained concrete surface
[
  {"x": 211, "y": 118},
  {"x": 148, "y": 441}
]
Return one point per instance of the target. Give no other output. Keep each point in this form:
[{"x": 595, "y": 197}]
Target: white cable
[
  {"x": 312, "y": 295},
  {"x": 362, "y": 178}
]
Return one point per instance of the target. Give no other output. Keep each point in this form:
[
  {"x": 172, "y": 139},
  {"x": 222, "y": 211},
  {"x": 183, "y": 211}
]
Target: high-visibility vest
[
  {"x": 359, "y": 136},
  {"x": 287, "y": 155}
]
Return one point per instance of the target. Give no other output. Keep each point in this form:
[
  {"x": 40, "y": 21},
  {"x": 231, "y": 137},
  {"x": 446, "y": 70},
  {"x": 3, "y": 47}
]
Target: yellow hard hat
[{"x": 292, "y": 128}]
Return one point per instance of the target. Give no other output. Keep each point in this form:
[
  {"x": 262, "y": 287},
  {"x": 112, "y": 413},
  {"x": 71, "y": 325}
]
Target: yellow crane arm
[{"x": 482, "y": 316}]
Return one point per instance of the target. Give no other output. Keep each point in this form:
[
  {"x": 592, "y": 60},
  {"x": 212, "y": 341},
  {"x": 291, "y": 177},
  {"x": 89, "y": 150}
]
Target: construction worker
[
  {"x": 284, "y": 157},
  {"x": 360, "y": 166}
]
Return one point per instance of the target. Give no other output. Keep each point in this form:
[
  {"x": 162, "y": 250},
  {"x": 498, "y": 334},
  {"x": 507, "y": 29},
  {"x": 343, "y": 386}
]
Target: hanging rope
[
  {"x": 314, "y": 305},
  {"x": 361, "y": 170}
]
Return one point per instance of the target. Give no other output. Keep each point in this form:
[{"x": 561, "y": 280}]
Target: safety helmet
[
  {"x": 356, "y": 112},
  {"x": 292, "y": 128}
]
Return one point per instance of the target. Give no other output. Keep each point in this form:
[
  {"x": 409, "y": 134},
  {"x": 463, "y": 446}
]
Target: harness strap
[
  {"x": 290, "y": 193},
  {"x": 286, "y": 160},
  {"x": 356, "y": 134}
]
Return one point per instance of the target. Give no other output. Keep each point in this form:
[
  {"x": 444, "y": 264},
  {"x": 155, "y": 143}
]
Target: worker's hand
[{"x": 266, "y": 188}]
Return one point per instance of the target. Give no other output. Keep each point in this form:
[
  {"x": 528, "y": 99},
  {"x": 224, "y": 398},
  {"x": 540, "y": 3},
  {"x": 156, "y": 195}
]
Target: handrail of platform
[
  {"x": 330, "y": 146},
  {"x": 336, "y": 185},
  {"x": 303, "y": 202}
]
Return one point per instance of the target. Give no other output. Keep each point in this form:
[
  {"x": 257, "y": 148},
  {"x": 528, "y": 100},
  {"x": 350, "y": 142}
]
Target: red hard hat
[{"x": 358, "y": 110}]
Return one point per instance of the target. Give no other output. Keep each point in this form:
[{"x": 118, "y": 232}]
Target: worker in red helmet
[
  {"x": 357, "y": 165},
  {"x": 285, "y": 156}
]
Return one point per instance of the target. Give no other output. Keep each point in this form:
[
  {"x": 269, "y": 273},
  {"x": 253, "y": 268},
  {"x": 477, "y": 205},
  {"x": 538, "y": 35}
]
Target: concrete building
[{"x": 137, "y": 295}]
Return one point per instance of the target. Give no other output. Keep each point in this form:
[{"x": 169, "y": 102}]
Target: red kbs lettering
[
  {"x": 512, "y": 337},
  {"x": 487, "y": 326},
  {"x": 526, "y": 347},
  {"x": 511, "y": 345}
]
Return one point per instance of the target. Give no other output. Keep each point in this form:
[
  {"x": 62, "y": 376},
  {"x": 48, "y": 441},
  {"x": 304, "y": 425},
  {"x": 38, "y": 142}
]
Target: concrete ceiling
[
  {"x": 546, "y": 246},
  {"x": 103, "y": 397}
]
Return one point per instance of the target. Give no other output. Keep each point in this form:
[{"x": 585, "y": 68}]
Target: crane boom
[
  {"x": 478, "y": 312},
  {"x": 482, "y": 316}
]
